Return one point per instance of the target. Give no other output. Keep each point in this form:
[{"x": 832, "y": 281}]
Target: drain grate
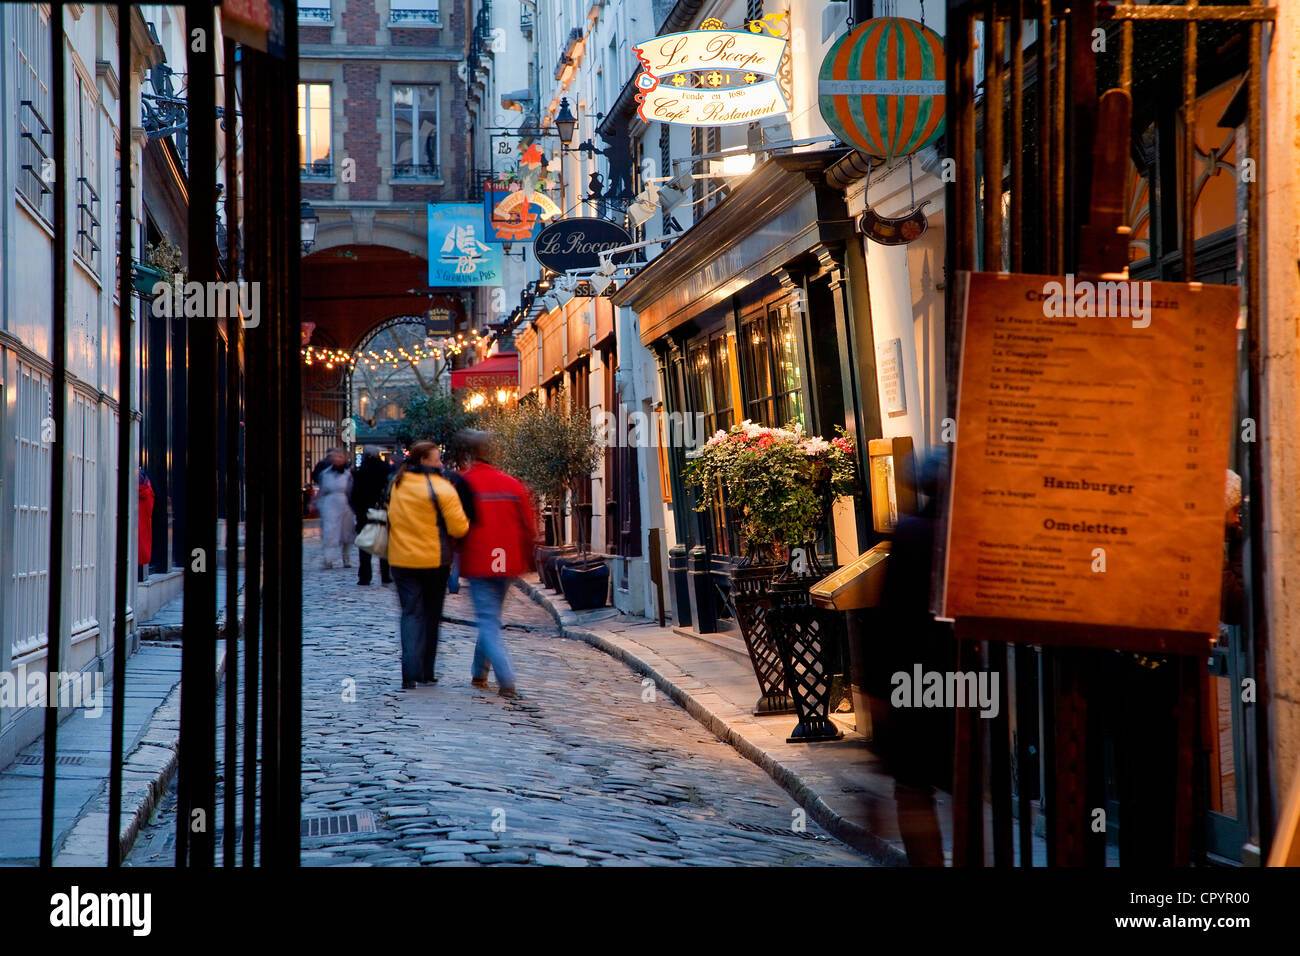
[
  {"x": 62, "y": 760},
  {"x": 336, "y": 823},
  {"x": 777, "y": 831}
]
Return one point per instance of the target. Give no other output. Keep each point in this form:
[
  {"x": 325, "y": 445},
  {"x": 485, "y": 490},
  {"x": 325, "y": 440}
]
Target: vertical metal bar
[
  {"x": 1017, "y": 224},
  {"x": 1042, "y": 255},
  {"x": 1000, "y": 762},
  {"x": 273, "y": 470},
  {"x": 959, "y": 194},
  {"x": 1187, "y": 181},
  {"x": 196, "y": 817},
  {"x": 1126, "y": 55},
  {"x": 126, "y": 473},
  {"x": 1254, "y": 451},
  {"x": 1057, "y": 229},
  {"x": 59, "y": 409},
  {"x": 234, "y": 415},
  {"x": 291, "y": 605},
  {"x": 992, "y": 138},
  {"x": 1081, "y": 125},
  {"x": 254, "y": 259},
  {"x": 1026, "y": 698}
]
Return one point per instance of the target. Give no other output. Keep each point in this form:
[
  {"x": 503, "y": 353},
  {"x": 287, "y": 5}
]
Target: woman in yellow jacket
[{"x": 424, "y": 517}]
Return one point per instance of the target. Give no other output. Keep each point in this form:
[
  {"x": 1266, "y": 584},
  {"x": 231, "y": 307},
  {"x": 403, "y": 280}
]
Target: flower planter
[
  {"x": 546, "y": 557},
  {"x": 751, "y": 600},
  {"x": 144, "y": 278},
  {"x": 810, "y": 641},
  {"x": 585, "y": 584}
]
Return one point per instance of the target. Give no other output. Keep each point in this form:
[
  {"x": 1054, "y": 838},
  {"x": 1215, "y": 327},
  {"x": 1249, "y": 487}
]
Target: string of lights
[{"x": 451, "y": 345}]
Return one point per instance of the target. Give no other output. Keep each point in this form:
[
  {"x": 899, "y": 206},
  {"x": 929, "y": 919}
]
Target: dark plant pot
[
  {"x": 585, "y": 584},
  {"x": 751, "y": 599},
  {"x": 552, "y": 561},
  {"x": 144, "y": 278}
]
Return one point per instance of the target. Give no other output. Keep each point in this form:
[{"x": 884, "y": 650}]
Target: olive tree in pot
[{"x": 551, "y": 449}]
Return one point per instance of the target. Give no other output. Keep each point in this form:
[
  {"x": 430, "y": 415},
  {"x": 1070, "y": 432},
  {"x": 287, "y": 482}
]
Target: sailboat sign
[{"x": 458, "y": 256}]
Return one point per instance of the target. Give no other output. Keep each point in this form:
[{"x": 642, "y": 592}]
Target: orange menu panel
[{"x": 1088, "y": 473}]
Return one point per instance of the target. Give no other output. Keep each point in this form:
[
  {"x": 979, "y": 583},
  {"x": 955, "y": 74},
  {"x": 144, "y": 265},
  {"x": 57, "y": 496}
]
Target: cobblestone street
[{"x": 588, "y": 767}]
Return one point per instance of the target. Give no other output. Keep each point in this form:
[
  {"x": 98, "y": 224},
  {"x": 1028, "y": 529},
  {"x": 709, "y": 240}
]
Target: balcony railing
[
  {"x": 35, "y": 159},
  {"x": 430, "y": 17},
  {"x": 320, "y": 169},
  {"x": 315, "y": 14},
  {"x": 415, "y": 171},
  {"x": 87, "y": 221}
]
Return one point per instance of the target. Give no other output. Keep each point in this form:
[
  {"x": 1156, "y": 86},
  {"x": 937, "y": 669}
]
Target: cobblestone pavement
[{"x": 589, "y": 767}]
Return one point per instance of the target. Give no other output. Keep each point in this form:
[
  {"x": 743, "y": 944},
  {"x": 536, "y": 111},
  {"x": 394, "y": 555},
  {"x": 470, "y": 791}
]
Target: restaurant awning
[{"x": 499, "y": 371}]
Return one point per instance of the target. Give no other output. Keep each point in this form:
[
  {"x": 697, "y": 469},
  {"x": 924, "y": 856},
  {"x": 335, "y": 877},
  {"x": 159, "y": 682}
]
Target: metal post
[
  {"x": 196, "y": 814},
  {"x": 702, "y": 587},
  {"x": 234, "y": 410},
  {"x": 126, "y": 472},
  {"x": 58, "y": 416},
  {"x": 681, "y": 585}
]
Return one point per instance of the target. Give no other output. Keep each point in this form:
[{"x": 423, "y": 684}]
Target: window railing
[
  {"x": 321, "y": 168},
  {"x": 87, "y": 221},
  {"x": 429, "y": 16},
  {"x": 35, "y": 159},
  {"x": 415, "y": 171},
  {"x": 321, "y": 14}
]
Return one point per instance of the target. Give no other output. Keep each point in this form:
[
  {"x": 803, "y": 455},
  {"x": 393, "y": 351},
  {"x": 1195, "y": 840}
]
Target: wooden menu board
[{"x": 1088, "y": 441}]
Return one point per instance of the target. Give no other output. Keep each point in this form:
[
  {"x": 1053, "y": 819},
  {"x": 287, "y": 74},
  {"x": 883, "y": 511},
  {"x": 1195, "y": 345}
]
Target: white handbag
[{"x": 373, "y": 537}]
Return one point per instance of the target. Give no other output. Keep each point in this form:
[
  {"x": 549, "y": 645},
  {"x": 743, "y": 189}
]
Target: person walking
[
  {"x": 467, "y": 502},
  {"x": 498, "y": 548},
  {"x": 368, "y": 490},
  {"x": 424, "y": 518},
  {"x": 337, "y": 523}
]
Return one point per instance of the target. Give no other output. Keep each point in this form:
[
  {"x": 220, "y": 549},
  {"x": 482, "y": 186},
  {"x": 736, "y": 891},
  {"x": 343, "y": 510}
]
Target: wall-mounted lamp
[{"x": 309, "y": 221}]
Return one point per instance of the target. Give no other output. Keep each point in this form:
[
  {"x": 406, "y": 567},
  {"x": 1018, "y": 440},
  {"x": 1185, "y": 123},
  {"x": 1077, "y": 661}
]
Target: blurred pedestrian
[
  {"x": 368, "y": 487},
  {"x": 337, "y": 522},
  {"x": 145, "y": 523},
  {"x": 450, "y": 472},
  {"x": 497, "y": 550},
  {"x": 424, "y": 517}
]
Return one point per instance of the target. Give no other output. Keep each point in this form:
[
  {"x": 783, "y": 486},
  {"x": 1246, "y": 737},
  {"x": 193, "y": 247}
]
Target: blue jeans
[
  {"x": 453, "y": 582},
  {"x": 488, "y": 595},
  {"x": 420, "y": 592}
]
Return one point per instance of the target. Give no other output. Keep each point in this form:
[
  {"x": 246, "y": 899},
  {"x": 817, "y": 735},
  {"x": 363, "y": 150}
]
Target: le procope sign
[{"x": 577, "y": 244}]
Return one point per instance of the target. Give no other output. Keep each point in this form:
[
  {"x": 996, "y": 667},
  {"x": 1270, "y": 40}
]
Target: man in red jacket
[{"x": 498, "y": 548}]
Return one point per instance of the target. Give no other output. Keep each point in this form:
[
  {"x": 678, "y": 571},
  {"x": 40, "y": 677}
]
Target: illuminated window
[{"x": 314, "y": 129}]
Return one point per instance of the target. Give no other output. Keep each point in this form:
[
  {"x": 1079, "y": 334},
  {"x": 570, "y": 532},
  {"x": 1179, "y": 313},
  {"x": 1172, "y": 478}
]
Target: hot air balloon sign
[{"x": 881, "y": 87}]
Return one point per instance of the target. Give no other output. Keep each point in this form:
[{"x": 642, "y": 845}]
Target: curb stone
[{"x": 878, "y": 850}]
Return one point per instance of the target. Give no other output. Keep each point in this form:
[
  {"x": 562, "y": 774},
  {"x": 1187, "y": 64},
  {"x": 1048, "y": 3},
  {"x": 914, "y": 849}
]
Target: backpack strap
[{"x": 444, "y": 538}]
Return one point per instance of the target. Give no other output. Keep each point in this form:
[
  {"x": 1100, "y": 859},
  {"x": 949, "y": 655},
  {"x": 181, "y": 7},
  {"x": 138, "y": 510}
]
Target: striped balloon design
[{"x": 887, "y": 120}]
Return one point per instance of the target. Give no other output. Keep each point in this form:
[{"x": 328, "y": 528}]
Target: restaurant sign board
[
  {"x": 711, "y": 77},
  {"x": 570, "y": 244},
  {"x": 1087, "y": 488}
]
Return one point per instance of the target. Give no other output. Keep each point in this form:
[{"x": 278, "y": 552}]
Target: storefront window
[
  {"x": 775, "y": 381},
  {"x": 709, "y": 381}
]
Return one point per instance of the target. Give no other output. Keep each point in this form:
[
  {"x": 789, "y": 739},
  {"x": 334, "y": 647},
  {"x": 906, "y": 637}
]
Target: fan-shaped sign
[{"x": 881, "y": 87}]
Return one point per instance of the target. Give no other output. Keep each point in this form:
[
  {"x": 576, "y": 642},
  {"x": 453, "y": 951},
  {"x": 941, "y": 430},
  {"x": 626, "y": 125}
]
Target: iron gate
[{"x": 262, "y": 381}]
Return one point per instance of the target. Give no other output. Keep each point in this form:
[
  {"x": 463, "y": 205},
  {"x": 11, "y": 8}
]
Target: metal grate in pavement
[
  {"x": 777, "y": 831},
  {"x": 63, "y": 760},
  {"x": 335, "y": 823}
]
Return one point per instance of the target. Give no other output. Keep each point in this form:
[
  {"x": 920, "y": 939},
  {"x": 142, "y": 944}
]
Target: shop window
[
  {"x": 314, "y": 129},
  {"x": 1214, "y": 186},
  {"x": 580, "y": 395},
  {"x": 774, "y": 393},
  {"x": 709, "y": 377},
  {"x": 415, "y": 132}
]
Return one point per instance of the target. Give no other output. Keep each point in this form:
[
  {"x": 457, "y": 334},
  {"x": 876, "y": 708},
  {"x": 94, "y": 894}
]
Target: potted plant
[
  {"x": 162, "y": 263},
  {"x": 551, "y": 449},
  {"x": 780, "y": 483}
]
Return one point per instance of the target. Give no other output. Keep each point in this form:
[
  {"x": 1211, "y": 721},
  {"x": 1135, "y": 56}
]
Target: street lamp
[
  {"x": 309, "y": 223},
  {"x": 566, "y": 122}
]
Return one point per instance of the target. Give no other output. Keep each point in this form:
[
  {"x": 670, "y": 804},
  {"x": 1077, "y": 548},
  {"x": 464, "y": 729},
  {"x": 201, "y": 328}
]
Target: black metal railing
[
  {"x": 36, "y": 160},
  {"x": 416, "y": 171},
  {"x": 322, "y": 14},
  {"x": 323, "y": 168},
  {"x": 431, "y": 16},
  {"x": 87, "y": 220}
]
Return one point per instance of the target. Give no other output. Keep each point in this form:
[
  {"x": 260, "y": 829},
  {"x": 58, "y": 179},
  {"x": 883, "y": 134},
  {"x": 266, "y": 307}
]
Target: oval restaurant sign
[
  {"x": 710, "y": 77},
  {"x": 577, "y": 243},
  {"x": 881, "y": 87}
]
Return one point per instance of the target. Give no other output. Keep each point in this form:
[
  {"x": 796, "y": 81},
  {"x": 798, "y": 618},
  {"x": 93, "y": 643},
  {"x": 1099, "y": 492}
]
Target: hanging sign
[
  {"x": 710, "y": 77},
  {"x": 510, "y": 215},
  {"x": 1093, "y": 427},
  {"x": 456, "y": 254},
  {"x": 881, "y": 87},
  {"x": 571, "y": 244}
]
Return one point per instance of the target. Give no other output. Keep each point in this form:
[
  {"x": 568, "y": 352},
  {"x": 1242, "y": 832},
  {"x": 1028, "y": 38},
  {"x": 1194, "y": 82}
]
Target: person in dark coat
[
  {"x": 916, "y": 744},
  {"x": 368, "y": 490},
  {"x": 467, "y": 502}
]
